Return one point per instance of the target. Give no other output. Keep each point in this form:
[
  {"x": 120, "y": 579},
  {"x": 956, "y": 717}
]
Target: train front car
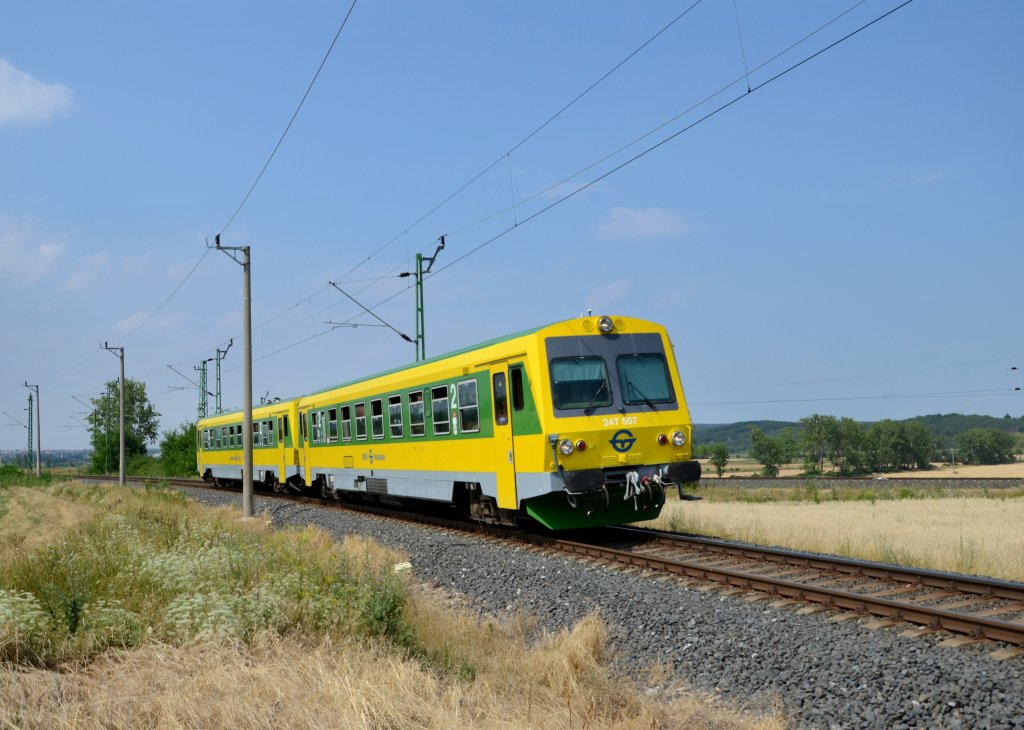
[{"x": 614, "y": 424}]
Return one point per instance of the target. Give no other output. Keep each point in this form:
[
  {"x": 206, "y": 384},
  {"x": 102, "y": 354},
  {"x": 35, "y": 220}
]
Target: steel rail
[
  {"x": 977, "y": 585},
  {"x": 935, "y": 618}
]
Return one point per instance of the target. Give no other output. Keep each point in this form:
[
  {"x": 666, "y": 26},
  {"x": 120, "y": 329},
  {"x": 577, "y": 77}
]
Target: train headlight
[
  {"x": 605, "y": 325},
  {"x": 678, "y": 438},
  {"x": 566, "y": 447}
]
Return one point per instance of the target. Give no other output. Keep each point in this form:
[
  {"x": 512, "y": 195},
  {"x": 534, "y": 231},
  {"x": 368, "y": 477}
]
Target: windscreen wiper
[
  {"x": 640, "y": 393},
  {"x": 586, "y": 408}
]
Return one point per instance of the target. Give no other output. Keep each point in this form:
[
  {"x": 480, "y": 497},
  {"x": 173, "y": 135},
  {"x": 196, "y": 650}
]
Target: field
[
  {"x": 748, "y": 468},
  {"x": 138, "y": 609},
  {"x": 976, "y": 531}
]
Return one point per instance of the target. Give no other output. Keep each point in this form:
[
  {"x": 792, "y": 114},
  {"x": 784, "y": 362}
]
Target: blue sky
[{"x": 844, "y": 240}]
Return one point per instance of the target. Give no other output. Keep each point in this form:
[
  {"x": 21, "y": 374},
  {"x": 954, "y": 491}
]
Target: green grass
[{"x": 154, "y": 567}]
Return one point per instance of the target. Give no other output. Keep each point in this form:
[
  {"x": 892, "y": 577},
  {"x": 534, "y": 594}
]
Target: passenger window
[
  {"x": 286, "y": 427},
  {"x": 518, "y": 401},
  {"x": 439, "y": 409},
  {"x": 315, "y": 427},
  {"x": 346, "y": 423},
  {"x": 377, "y": 418},
  {"x": 500, "y": 400},
  {"x": 469, "y": 412},
  {"x": 395, "y": 416},
  {"x": 417, "y": 416},
  {"x": 302, "y": 427},
  {"x": 360, "y": 421},
  {"x": 280, "y": 433},
  {"x": 332, "y": 425}
]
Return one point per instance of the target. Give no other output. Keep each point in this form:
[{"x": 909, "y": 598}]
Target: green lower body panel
[{"x": 554, "y": 511}]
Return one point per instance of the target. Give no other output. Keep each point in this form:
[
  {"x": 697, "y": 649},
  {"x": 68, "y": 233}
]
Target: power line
[
  {"x": 525, "y": 139},
  {"x": 292, "y": 120},
  {"x": 672, "y": 136},
  {"x": 658, "y": 128}
]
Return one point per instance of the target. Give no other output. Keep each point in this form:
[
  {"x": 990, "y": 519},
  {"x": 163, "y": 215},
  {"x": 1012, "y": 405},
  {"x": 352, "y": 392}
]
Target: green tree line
[{"x": 846, "y": 447}]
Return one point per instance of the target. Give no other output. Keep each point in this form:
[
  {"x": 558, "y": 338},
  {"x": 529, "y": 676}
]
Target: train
[{"x": 581, "y": 423}]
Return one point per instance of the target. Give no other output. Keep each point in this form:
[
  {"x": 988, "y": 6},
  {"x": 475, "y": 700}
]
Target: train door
[
  {"x": 504, "y": 451},
  {"x": 303, "y": 446}
]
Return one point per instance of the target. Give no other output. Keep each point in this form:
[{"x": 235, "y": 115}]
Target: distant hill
[{"x": 737, "y": 435}]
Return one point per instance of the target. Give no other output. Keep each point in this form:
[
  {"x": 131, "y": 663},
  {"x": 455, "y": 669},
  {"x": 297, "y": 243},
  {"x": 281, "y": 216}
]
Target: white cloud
[
  {"x": 133, "y": 321},
  {"x": 24, "y": 98},
  {"x": 930, "y": 177},
  {"x": 88, "y": 269},
  {"x": 607, "y": 296},
  {"x": 641, "y": 223},
  {"x": 26, "y": 253}
]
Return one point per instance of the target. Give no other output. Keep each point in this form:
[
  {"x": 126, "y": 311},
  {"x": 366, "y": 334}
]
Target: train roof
[{"x": 428, "y": 361}]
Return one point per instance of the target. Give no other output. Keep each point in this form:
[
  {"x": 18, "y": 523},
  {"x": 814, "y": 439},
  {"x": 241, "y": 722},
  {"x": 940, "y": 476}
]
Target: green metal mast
[
  {"x": 204, "y": 403},
  {"x": 421, "y": 345},
  {"x": 220, "y": 356},
  {"x": 30, "y": 425}
]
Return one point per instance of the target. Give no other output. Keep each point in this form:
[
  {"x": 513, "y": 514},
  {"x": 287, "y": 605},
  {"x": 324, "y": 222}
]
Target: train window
[
  {"x": 643, "y": 378},
  {"x": 217, "y": 436},
  {"x": 346, "y": 423},
  {"x": 377, "y": 418},
  {"x": 580, "y": 382},
  {"x": 417, "y": 424},
  {"x": 257, "y": 434},
  {"x": 280, "y": 434},
  {"x": 286, "y": 434},
  {"x": 360, "y": 421},
  {"x": 314, "y": 427},
  {"x": 518, "y": 401},
  {"x": 302, "y": 426},
  {"x": 439, "y": 409},
  {"x": 395, "y": 416},
  {"x": 500, "y": 400},
  {"x": 332, "y": 425},
  {"x": 469, "y": 412}
]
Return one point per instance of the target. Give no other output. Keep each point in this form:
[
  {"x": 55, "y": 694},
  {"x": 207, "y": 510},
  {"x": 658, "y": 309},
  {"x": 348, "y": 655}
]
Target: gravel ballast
[{"x": 824, "y": 674}]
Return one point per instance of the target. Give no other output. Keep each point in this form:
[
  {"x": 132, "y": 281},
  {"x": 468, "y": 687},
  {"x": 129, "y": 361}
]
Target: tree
[
  {"x": 767, "y": 451},
  {"x": 178, "y": 451},
  {"x": 719, "y": 455},
  {"x": 985, "y": 446},
  {"x": 140, "y": 424},
  {"x": 819, "y": 431}
]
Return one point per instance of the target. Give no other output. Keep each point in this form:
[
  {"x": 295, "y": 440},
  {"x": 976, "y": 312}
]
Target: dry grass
[
  {"x": 978, "y": 536},
  {"x": 36, "y": 518},
  {"x": 433, "y": 665},
  {"x": 744, "y": 467}
]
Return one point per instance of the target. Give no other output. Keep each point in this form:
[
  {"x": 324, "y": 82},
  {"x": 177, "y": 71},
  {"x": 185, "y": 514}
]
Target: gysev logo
[{"x": 622, "y": 441}]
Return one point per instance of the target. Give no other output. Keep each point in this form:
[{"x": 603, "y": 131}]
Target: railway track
[{"x": 975, "y": 608}]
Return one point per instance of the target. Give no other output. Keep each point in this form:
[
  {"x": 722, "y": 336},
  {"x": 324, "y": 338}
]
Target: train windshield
[
  {"x": 580, "y": 382},
  {"x": 606, "y": 374},
  {"x": 643, "y": 378}
]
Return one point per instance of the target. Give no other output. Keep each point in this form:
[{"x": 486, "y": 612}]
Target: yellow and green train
[{"x": 575, "y": 424}]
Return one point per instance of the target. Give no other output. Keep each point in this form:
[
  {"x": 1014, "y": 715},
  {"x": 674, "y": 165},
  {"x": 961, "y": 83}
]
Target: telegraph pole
[
  {"x": 39, "y": 440},
  {"x": 246, "y": 372},
  {"x": 119, "y": 352},
  {"x": 421, "y": 345},
  {"x": 221, "y": 354}
]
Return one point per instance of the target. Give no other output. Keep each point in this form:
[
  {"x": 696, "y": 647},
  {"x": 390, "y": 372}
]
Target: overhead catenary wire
[
  {"x": 675, "y": 134},
  {"x": 500, "y": 158},
  {"x": 291, "y": 121}
]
